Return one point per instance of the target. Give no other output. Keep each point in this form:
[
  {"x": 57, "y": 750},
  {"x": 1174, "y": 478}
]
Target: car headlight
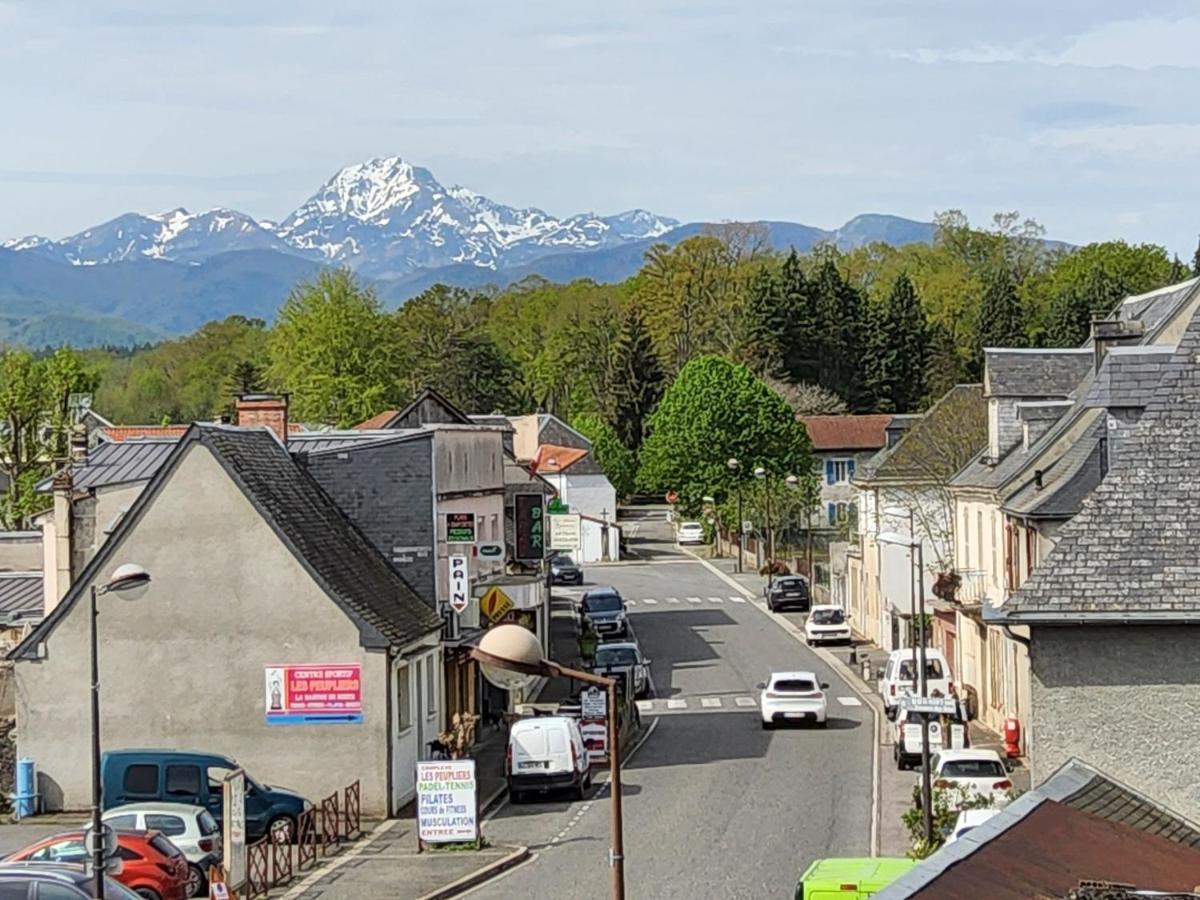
[{"x": 307, "y": 806}]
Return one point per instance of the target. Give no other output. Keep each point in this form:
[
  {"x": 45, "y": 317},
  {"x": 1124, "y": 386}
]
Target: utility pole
[{"x": 926, "y": 777}]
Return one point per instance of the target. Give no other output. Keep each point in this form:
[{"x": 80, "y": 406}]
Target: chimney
[
  {"x": 79, "y": 444},
  {"x": 1108, "y": 333},
  {"x": 271, "y": 410}
]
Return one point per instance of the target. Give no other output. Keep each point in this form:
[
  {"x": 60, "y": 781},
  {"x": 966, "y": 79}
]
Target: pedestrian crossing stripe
[
  {"x": 650, "y": 601},
  {"x": 710, "y": 702},
  {"x": 693, "y": 599},
  {"x": 677, "y": 704},
  {"x": 738, "y": 599},
  {"x": 631, "y": 603},
  {"x": 744, "y": 701},
  {"x": 672, "y": 599},
  {"x": 645, "y": 706},
  {"x": 683, "y": 704},
  {"x": 849, "y": 701},
  {"x": 716, "y": 600}
]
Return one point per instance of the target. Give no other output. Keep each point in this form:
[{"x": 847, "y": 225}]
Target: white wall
[{"x": 590, "y": 495}]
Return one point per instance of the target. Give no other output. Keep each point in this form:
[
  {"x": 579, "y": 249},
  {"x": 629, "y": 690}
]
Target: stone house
[
  {"x": 840, "y": 444},
  {"x": 253, "y": 567}
]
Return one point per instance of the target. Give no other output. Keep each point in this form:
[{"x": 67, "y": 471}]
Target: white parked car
[
  {"x": 980, "y": 771},
  {"x": 547, "y": 753},
  {"x": 190, "y": 828},
  {"x": 792, "y": 697},
  {"x": 897, "y": 678},
  {"x": 690, "y": 533},
  {"x": 968, "y": 819},
  {"x": 827, "y": 624}
]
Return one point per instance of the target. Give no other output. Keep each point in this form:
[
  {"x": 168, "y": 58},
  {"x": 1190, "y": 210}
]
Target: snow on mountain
[{"x": 384, "y": 217}]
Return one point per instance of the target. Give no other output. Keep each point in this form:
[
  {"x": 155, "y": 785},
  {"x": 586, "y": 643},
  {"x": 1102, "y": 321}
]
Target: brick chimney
[{"x": 271, "y": 410}]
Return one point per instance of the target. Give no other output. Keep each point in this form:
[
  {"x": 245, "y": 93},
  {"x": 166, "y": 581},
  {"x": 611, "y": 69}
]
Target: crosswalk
[
  {"x": 634, "y": 603},
  {"x": 663, "y": 706}
]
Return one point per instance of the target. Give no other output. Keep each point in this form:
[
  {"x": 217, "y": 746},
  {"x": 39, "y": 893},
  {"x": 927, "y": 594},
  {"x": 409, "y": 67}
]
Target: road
[{"x": 714, "y": 805}]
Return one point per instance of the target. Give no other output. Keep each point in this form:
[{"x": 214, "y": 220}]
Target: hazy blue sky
[{"x": 1081, "y": 114}]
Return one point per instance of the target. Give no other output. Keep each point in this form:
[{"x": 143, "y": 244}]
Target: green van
[{"x": 850, "y": 879}]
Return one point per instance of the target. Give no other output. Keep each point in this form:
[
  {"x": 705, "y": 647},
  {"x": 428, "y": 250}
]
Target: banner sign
[
  {"x": 233, "y": 828},
  {"x": 565, "y": 530},
  {"x": 460, "y": 584},
  {"x": 593, "y": 724},
  {"x": 531, "y": 521},
  {"x": 314, "y": 694},
  {"x": 460, "y": 528},
  {"x": 446, "y": 801}
]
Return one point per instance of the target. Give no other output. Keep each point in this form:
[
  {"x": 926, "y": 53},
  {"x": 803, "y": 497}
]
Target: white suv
[{"x": 897, "y": 679}]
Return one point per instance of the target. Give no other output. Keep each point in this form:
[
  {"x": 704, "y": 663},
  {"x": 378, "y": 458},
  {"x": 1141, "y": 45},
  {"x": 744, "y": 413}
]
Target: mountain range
[{"x": 143, "y": 277}]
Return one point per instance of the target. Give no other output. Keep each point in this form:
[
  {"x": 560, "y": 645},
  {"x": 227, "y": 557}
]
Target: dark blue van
[{"x": 181, "y": 776}]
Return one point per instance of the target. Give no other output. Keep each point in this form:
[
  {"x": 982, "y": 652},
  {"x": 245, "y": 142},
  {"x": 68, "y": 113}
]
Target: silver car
[{"x": 625, "y": 655}]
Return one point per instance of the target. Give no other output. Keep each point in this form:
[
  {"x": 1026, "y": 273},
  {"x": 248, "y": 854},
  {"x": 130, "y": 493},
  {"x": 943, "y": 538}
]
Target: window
[
  {"x": 966, "y": 537},
  {"x": 831, "y": 513},
  {"x": 216, "y": 779},
  {"x": 183, "y": 781},
  {"x": 430, "y": 687},
  {"x": 48, "y": 890},
  {"x": 995, "y": 669},
  {"x": 403, "y": 700},
  {"x": 793, "y": 686},
  {"x": 129, "y": 821},
  {"x": 973, "y": 768},
  {"x": 208, "y": 825},
  {"x": 979, "y": 540},
  {"x": 995, "y": 555},
  {"x": 128, "y": 855},
  {"x": 838, "y": 471},
  {"x": 69, "y": 850},
  {"x": 171, "y": 826},
  {"x": 142, "y": 780}
]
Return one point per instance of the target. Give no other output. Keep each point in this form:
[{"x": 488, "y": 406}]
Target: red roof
[
  {"x": 382, "y": 420},
  {"x": 552, "y": 459},
  {"x": 847, "y": 432},
  {"x": 117, "y": 433}
]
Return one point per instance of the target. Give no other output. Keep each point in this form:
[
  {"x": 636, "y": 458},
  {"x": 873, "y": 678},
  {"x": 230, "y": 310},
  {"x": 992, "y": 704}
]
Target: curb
[
  {"x": 488, "y": 802},
  {"x": 487, "y": 873}
]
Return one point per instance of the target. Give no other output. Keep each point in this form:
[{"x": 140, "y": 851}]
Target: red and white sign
[
  {"x": 593, "y": 725},
  {"x": 314, "y": 694}
]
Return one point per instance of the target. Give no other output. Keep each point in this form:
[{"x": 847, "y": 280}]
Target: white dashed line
[
  {"x": 744, "y": 701},
  {"x": 676, "y": 599},
  {"x": 737, "y": 599},
  {"x": 849, "y": 701},
  {"x": 722, "y": 599},
  {"x": 647, "y": 705},
  {"x": 650, "y": 601},
  {"x": 678, "y": 704},
  {"x": 693, "y": 599},
  {"x": 634, "y": 602},
  {"x": 710, "y": 702}
]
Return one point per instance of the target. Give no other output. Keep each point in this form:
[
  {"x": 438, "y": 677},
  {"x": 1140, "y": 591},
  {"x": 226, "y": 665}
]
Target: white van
[
  {"x": 898, "y": 679},
  {"x": 546, "y": 753}
]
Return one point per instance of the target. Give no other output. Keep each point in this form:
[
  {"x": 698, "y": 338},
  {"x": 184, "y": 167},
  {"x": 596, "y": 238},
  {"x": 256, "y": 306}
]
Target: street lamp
[
  {"x": 130, "y": 582},
  {"x": 510, "y": 657},
  {"x": 918, "y": 597},
  {"x": 761, "y": 474},
  {"x": 734, "y": 465}
]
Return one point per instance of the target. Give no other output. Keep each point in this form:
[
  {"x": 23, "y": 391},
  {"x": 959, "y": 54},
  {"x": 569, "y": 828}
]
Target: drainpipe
[{"x": 1013, "y": 636}]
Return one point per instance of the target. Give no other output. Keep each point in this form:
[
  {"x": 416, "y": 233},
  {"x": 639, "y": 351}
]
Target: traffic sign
[
  {"x": 106, "y": 841},
  {"x": 747, "y": 526},
  {"x": 460, "y": 584},
  {"x": 495, "y": 604}
]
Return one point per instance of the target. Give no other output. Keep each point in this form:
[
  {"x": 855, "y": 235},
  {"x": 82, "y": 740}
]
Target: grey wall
[
  {"x": 1124, "y": 699},
  {"x": 20, "y": 551},
  {"x": 386, "y": 490},
  {"x": 182, "y": 667}
]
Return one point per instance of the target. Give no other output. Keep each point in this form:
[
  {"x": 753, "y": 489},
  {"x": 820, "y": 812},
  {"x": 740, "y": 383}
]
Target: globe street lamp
[
  {"x": 129, "y": 581},
  {"x": 734, "y": 465},
  {"x": 510, "y": 657},
  {"x": 761, "y": 474}
]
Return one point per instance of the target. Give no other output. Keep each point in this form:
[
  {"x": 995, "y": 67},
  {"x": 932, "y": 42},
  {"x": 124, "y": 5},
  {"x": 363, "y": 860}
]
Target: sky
[{"x": 1081, "y": 115}]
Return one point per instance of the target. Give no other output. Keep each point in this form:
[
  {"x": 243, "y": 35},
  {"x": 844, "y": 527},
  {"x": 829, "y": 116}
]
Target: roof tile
[{"x": 867, "y": 432}]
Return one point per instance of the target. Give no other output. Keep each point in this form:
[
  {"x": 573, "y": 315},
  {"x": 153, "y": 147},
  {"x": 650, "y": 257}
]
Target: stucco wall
[
  {"x": 20, "y": 551},
  {"x": 590, "y": 495},
  {"x": 1126, "y": 700},
  {"x": 182, "y": 667}
]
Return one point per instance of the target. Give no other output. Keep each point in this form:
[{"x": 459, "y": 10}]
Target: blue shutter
[
  {"x": 829, "y": 471},
  {"x": 831, "y": 511},
  {"x": 849, "y": 469}
]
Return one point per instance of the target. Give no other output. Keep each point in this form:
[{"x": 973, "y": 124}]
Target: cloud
[
  {"x": 1075, "y": 112},
  {"x": 1171, "y": 142}
]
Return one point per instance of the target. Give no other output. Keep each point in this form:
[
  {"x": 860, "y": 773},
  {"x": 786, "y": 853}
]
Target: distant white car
[
  {"x": 690, "y": 533},
  {"x": 792, "y": 697},
  {"x": 980, "y": 771},
  {"x": 968, "y": 819},
  {"x": 827, "y": 624},
  {"x": 190, "y": 828}
]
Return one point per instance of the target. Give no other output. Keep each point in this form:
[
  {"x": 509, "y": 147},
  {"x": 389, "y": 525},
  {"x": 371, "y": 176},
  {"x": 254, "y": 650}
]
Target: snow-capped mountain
[{"x": 383, "y": 217}]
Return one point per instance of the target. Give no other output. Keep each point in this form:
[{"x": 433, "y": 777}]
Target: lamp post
[
  {"x": 761, "y": 474},
  {"x": 131, "y": 581},
  {"x": 510, "y": 657},
  {"x": 734, "y": 465}
]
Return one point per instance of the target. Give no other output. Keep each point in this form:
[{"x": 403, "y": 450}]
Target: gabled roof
[
  {"x": 552, "y": 459},
  {"x": 336, "y": 554},
  {"x": 22, "y": 596},
  {"x": 125, "y": 462},
  {"x": 379, "y": 420},
  {"x": 1078, "y": 820},
  {"x": 1130, "y": 554},
  {"x": 1129, "y": 376},
  {"x": 137, "y": 432},
  {"x": 867, "y": 432},
  {"x": 1048, "y": 373},
  {"x": 934, "y": 448},
  {"x": 1062, "y": 487}
]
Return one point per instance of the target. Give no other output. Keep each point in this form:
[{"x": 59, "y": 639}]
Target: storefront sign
[
  {"x": 446, "y": 806},
  {"x": 565, "y": 532},
  {"x": 460, "y": 584},
  {"x": 495, "y": 604},
  {"x": 314, "y": 694},
  {"x": 531, "y": 522},
  {"x": 460, "y": 528}
]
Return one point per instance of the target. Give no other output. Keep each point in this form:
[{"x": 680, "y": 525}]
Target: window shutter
[
  {"x": 831, "y": 511},
  {"x": 829, "y": 471},
  {"x": 849, "y": 469}
]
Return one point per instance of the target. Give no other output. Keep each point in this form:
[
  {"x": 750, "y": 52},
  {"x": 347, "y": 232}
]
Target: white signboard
[
  {"x": 564, "y": 532},
  {"x": 595, "y": 738},
  {"x": 460, "y": 584},
  {"x": 446, "y": 807},
  {"x": 937, "y": 706},
  {"x": 747, "y": 526},
  {"x": 233, "y": 826},
  {"x": 593, "y": 704}
]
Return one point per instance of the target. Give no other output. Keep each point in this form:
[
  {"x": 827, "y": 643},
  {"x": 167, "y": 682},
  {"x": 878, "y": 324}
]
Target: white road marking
[
  {"x": 738, "y": 599},
  {"x": 672, "y": 599},
  {"x": 849, "y": 701},
  {"x": 634, "y": 603},
  {"x": 650, "y": 601},
  {"x": 710, "y": 702},
  {"x": 693, "y": 599},
  {"x": 718, "y": 599},
  {"x": 744, "y": 701},
  {"x": 676, "y": 704},
  {"x": 647, "y": 705}
]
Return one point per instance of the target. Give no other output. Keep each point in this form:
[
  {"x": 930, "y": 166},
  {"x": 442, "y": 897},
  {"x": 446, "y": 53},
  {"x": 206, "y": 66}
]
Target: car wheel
[
  {"x": 197, "y": 884},
  {"x": 588, "y": 779},
  {"x": 577, "y": 792},
  {"x": 147, "y": 893},
  {"x": 768, "y": 726},
  {"x": 515, "y": 797},
  {"x": 823, "y": 723},
  {"x": 282, "y": 830}
]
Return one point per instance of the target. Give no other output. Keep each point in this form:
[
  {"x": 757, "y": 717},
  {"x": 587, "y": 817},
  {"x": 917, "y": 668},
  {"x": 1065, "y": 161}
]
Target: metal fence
[{"x": 274, "y": 863}]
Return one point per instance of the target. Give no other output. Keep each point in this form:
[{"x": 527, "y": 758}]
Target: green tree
[
  {"x": 1001, "y": 316},
  {"x": 1072, "y": 312},
  {"x": 635, "y": 380},
  {"x": 767, "y": 324},
  {"x": 1196, "y": 260},
  {"x": 335, "y": 350},
  {"x": 841, "y": 324},
  {"x": 714, "y": 410},
  {"x": 614, "y": 458},
  {"x": 800, "y": 342},
  {"x": 905, "y": 351},
  {"x": 947, "y": 365}
]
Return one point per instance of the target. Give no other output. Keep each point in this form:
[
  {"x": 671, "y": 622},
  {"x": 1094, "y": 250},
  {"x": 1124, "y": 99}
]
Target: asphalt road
[{"x": 714, "y": 805}]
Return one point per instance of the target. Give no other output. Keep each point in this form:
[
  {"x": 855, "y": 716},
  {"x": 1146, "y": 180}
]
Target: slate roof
[
  {"x": 22, "y": 596},
  {"x": 1019, "y": 852},
  {"x": 125, "y": 462},
  {"x": 938, "y": 445},
  {"x": 866, "y": 432},
  {"x": 1065, "y": 482},
  {"x": 340, "y": 559},
  {"x": 1130, "y": 553},
  {"x": 1034, "y": 373},
  {"x": 1129, "y": 376}
]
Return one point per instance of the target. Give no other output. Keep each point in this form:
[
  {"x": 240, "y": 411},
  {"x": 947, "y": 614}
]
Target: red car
[{"x": 153, "y": 867}]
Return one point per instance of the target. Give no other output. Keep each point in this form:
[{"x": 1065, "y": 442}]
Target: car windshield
[
  {"x": 208, "y": 825},
  {"x": 933, "y": 669},
  {"x": 602, "y": 603},
  {"x": 616, "y": 656},
  {"x": 793, "y": 686},
  {"x": 562, "y": 560},
  {"x": 789, "y": 584},
  {"x": 828, "y": 617},
  {"x": 972, "y": 768},
  {"x": 690, "y": 526}
]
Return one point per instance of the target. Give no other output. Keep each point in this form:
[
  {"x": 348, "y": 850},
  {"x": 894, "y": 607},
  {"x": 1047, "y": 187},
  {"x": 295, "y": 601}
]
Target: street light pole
[
  {"x": 926, "y": 776},
  {"x": 734, "y": 465}
]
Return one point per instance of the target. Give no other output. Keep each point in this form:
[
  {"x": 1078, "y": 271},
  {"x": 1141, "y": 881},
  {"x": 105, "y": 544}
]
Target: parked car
[
  {"x": 604, "y": 610},
  {"x": 546, "y": 753},
  {"x": 190, "y": 828},
  {"x": 564, "y": 570},
  {"x": 981, "y": 771},
  {"x": 152, "y": 867},
  {"x": 61, "y": 882},
  {"x": 897, "y": 677},
  {"x": 967, "y": 820},
  {"x": 792, "y": 697},
  {"x": 827, "y": 624},
  {"x": 850, "y": 878},
  {"x": 788, "y": 592},
  {"x": 690, "y": 533},
  {"x": 945, "y": 733},
  {"x": 178, "y": 776},
  {"x": 625, "y": 655}
]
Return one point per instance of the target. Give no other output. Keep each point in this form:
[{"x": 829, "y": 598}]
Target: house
[
  {"x": 254, "y": 567},
  {"x": 839, "y": 445},
  {"x": 1113, "y": 610},
  {"x": 903, "y": 503},
  {"x": 1078, "y": 825}
]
